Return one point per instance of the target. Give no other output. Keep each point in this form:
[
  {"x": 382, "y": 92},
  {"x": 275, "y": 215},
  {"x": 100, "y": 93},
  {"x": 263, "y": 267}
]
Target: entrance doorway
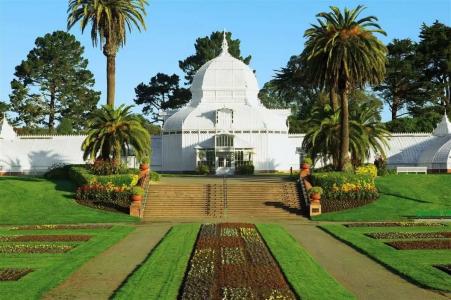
[{"x": 224, "y": 163}]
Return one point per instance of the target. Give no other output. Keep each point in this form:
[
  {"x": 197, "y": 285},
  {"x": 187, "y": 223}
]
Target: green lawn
[
  {"x": 31, "y": 200},
  {"x": 414, "y": 265},
  {"x": 162, "y": 273},
  {"x": 52, "y": 269},
  {"x": 402, "y": 196},
  {"x": 308, "y": 279}
]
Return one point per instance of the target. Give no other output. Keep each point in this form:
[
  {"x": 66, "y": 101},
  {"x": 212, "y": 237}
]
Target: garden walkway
[
  {"x": 358, "y": 273},
  {"x": 102, "y": 275}
]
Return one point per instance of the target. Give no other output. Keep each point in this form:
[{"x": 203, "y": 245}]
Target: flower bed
[
  {"x": 13, "y": 274},
  {"x": 61, "y": 227},
  {"x": 420, "y": 245},
  {"x": 408, "y": 235},
  {"x": 231, "y": 261},
  {"x": 104, "y": 196},
  {"x": 393, "y": 224},
  {"x": 345, "y": 190},
  {"x": 444, "y": 268},
  {"x": 35, "y": 248},
  {"x": 45, "y": 238}
]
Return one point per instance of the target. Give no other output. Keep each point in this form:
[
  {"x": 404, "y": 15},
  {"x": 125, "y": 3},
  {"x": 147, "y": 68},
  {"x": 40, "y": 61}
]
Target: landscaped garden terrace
[
  {"x": 419, "y": 252},
  {"x": 230, "y": 261},
  {"x": 34, "y": 259}
]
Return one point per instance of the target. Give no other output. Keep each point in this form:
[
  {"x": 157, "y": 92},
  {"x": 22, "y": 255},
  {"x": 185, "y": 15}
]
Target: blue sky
[{"x": 270, "y": 30}]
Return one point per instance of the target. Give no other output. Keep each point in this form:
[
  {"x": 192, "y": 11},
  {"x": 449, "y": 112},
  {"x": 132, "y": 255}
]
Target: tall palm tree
[
  {"x": 366, "y": 133},
  {"x": 112, "y": 132},
  {"x": 342, "y": 53},
  {"x": 109, "y": 20}
]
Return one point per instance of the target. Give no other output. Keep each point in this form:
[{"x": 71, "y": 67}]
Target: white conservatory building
[{"x": 225, "y": 125}]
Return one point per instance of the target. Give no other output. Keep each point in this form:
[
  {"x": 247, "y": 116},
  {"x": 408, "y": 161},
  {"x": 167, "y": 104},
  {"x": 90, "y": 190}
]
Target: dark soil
[
  {"x": 420, "y": 244},
  {"x": 444, "y": 268},
  {"x": 393, "y": 224}
]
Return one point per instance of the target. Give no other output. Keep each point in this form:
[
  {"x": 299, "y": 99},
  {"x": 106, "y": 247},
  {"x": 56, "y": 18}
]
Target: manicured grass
[
  {"x": 402, "y": 196},
  {"x": 31, "y": 200},
  {"x": 306, "y": 276},
  {"x": 52, "y": 269},
  {"x": 162, "y": 273},
  {"x": 414, "y": 265}
]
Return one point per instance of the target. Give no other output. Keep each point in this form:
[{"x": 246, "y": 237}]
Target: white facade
[{"x": 224, "y": 126}]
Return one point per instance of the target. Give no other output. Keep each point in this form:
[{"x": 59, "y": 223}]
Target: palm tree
[
  {"x": 366, "y": 133},
  {"x": 112, "y": 132},
  {"x": 109, "y": 20},
  {"x": 342, "y": 53}
]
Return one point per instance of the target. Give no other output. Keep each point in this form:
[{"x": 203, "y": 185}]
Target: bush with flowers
[
  {"x": 104, "y": 195},
  {"x": 345, "y": 190},
  {"x": 368, "y": 169}
]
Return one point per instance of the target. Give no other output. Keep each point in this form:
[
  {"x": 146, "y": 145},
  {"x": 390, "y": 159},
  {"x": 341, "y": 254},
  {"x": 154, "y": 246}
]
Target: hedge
[{"x": 80, "y": 175}]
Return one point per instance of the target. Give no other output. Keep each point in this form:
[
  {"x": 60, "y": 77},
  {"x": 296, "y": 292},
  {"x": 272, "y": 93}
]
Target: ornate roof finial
[{"x": 225, "y": 45}]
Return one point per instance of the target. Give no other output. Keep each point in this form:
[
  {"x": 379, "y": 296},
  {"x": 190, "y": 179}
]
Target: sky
[{"x": 270, "y": 30}]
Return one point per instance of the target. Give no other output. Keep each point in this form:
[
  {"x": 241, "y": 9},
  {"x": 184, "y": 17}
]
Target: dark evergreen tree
[
  {"x": 401, "y": 84},
  {"x": 162, "y": 92},
  {"x": 434, "y": 61},
  {"x": 53, "y": 82},
  {"x": 208, "y": 48}
]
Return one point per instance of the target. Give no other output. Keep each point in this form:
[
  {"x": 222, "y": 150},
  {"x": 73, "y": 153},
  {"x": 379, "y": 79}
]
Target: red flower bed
[
  {"x": 13, "y": 274},
  {"x": 231, "y": 261},
  {"x": 45, "y": 238},
  {"x": 61, "y": 227},
  {"x": 420, "y": 245},
  {"x": 392, "y": 224},
  {"x": 409, "y": 235}
]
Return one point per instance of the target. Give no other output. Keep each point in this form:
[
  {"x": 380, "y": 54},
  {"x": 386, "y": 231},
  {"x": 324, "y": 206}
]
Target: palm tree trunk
[
  {"x": 344, "y": 149},
  {"x": 110, "y": 78},
  {"x": 333, "y": 99}
]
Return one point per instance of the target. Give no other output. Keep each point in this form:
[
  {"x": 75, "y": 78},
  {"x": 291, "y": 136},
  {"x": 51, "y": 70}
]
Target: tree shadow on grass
[{"x": 407, "y": 198}]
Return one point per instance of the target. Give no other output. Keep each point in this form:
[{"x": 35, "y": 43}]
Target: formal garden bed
[
  {"x": 395, "y": 224},
  {"x": 61, "y": 227},
  {"x": 13, "y": 274},
  {"x": 230, "y": 261},
  {"x": 418, "y": 258},
  {"x": 38, "y": 260},
  {"x": 420, "y": 244},
  {"x": 408, "y": 235}
]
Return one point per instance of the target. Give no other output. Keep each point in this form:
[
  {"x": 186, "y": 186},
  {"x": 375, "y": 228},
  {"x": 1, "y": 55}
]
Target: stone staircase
[{"x": 278, "y": 200}]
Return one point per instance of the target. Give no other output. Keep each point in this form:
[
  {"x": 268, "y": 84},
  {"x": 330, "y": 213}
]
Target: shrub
[
  {"x": 107, "y": 167},
  {"x": 307, "y": 160},
  {"x": 57, "y": 171},
  {"x": 105, "y": 195},
  {"x": 346, "y": 186},
  {"x": 154, "y": 176},
  {"x": 81, "y": 175},
  {"x": 137, "y": 190},
  {"x": 244, "y": 170},
  {"x": 202, "y": 169},
  {"x": 316, "y": 190},
  {"x": 368, "y": 169}
]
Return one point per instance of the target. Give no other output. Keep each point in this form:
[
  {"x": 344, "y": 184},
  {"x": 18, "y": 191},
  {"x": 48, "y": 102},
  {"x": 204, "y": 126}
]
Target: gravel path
[{"x": 102, "y": 275}]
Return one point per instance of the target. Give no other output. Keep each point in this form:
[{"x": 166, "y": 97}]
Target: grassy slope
[
  {"x": 415, "y": 265},
  {"x": 307, "y": 277},
  {"x": 28, "y": 200},
  {"x": 52, "y": 269},
  {"x": 162, "y": 273},
  {"x": 402, "y": 196}
]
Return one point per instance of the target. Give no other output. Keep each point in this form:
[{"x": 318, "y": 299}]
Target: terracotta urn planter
[
  {"x": 136, "y": 198},
  {"x": 305, "y": 166},
  {"x": 315, "y": 197},
  {"x": 144, "y": 167}
]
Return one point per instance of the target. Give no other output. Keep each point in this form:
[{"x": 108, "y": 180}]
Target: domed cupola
[{"x": 225, "y": 79}]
